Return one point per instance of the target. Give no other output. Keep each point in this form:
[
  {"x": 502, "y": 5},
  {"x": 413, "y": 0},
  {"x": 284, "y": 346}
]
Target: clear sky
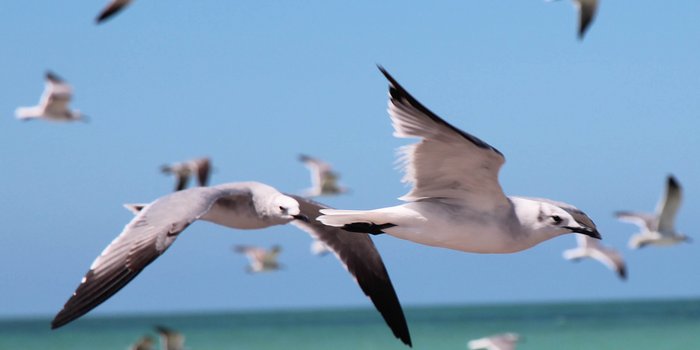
[{"x": 598, "y": 124}]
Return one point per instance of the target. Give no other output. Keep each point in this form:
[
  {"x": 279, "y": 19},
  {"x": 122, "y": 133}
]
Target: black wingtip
[
  {"x": 51, "y": 76},
  {"x": 622, "y": 273},
  {"x": 673, "y": 182}
]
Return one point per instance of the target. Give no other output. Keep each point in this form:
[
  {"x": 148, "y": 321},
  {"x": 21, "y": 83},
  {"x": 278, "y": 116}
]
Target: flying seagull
[
  {"x": 53, "y": 104},
  {"x": 111, "y": 9},
  {"x": 505, "y": 341},
  {"x": 184, "y": 170},
  {"x": 591, "y": 248},
  {"x": 658, "y": 228},
  {"x": 261, "y": 259},
  {"x": 323, "y": 179},
  {"x": 456, "y": 201},
  {"x": 242, "y": 205},
  {"x": 170, "y": 339}
]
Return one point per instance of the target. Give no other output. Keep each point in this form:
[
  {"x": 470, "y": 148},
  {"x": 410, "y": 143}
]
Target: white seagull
[
  {"x": 242, "y": 205},
  {"x": 505, "y": 341},
  {"x": 323, "y": 179},
  {"x": 261, "y": 259},
  {"x": 456, "y": 201},
  {"x": 201, "y": 167},
  {"x": 591, "y": 248},
  {"x": 170, "y": 339},
  {"x": 111, "y": 9},
  {"x": 659, "y": 228},
  {"x": 53, "y": 104}
]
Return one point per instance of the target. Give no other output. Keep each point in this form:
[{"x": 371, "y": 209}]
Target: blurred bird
[
  {"x": 505, "y": 341},
  {"x": 111, "y": 9},
  {"x": 591, "y": 248},
  {"x": 586, "y": 13},
  {"x": 170, "y": 339},
  {"x": 243, "y": 205},
  {"x": 53, "y": 104},
  {"x": 659, "y": 228},
  {"x": 184, "y": 170},
  {"x": 456, "y": 201},
  {"x": 145, "y": 343},
  {"x": 261, "y": 259},
  {"x": 324, "y": 180}
]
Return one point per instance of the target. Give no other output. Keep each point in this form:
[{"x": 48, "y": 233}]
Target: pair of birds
[
  {"x": 586, "y": 12},
  {"x": 456, "y": 202},
  {"x": 169, "y": 340},
  {"x": 656, "y": 229}
]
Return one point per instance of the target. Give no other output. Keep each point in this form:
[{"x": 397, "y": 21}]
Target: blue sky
[{"x": 598, "y": 124}]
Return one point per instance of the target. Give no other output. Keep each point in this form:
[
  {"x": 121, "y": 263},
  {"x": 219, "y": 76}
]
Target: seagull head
[
  {"x": 287, "y": 208},
  {"x": 550, "y": 219}
]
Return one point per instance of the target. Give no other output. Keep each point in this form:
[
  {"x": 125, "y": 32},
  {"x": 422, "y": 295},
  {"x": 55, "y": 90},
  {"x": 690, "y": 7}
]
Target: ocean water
[{"x": 657, "y": 325}]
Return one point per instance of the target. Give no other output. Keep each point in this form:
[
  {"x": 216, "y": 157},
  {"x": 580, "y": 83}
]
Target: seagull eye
[
  {"x": 556, "y": 219},
  {"x": 283, "y": 209}
]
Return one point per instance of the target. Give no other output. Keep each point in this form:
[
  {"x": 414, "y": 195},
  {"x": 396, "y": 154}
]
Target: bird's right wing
[
  {"x": 668, "y": 206},
  {"x": 586, "y": 13},
  {"x": 57, "y": 94},
  {"x": 111, "y": 9},
  {"x": 612, "y": 259},
  {"x": 144, "y": 239},
  {"x": 360, "y": 257}
]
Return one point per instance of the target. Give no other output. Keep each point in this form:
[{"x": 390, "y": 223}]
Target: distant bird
[
  {"x": 145, "y": 343},
  {"x": 586, "y": 13},
  {"x": 505, "y": 341},
  {"x": 659, "y": 228},
  {"x": 319, "y": 248},
  {"x": 456, "y": 201},
  {"x": 170, "y": 339},
  {"x": 53, "y": 104},
  {"x": 591, "y": 248},
  {"x": 261, "y": 259},
  {"x": 201, "y": 167},
  {"x": 112, "y": 8},
  {"x": 242, "y": 205},
  {"x": 324, "y": 180}
]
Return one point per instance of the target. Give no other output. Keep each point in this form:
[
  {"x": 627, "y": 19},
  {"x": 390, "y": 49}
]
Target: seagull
[
  {"x": 591, "y": 248},
  {"x": 323, "y": 178},
  {"x": 200, "y": 166},
  {"x": 242, "y": 205},
  {"x": 261, "y": 259},
  {"x": 505, "y": 341},
  {"x": 111, "y": 9},
  {"x": 658, "y": 228},
  {"x": 456, "y": 201},
  {"x": 145, "y": 343},
  {"x": 170, "y": 339},
  {"x": 53, "y": 104},
  {"x": 586, "y": 12}
]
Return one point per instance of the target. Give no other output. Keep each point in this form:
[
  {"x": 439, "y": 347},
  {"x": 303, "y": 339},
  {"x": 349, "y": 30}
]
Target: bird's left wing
[
  {"x": 586, "y": 12},
  {"x": 360, "y": 257},
  {"x": 668, "y": 205},
  {"x": 447, "y": 163}
]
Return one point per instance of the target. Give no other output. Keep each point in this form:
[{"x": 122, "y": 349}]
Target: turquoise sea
[{"x": 669, "y": 324}]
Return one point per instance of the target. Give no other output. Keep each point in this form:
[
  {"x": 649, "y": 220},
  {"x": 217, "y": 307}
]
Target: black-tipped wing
[
  {"x": 182, "y": 180},
  {"x": 645, "y": 221},
  {"x": 586, "y": 12},
  {"x": 447, "y": 163},
  {"x": 668, "y": 205},
  {"x": 113, "y": 8},
  {"x": 143, "y": 240},
  {"x": 57, "y": 94},
  {"x": 360, "y": 257}
]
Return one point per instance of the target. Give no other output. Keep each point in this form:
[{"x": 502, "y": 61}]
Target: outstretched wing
[
  {"x": 203, "y": 169},
  {"x": 668, "y": 206},
  {"x": 360, "y": 257},
  {"x": 586, "y": 12},
  {"x": 112, "y": 8},
  {"x": 447, "y": 163},
  {"x": 57, "y": 94},
  {"x": 645, "y": 221},
  {"x": 143, "y": 240}
]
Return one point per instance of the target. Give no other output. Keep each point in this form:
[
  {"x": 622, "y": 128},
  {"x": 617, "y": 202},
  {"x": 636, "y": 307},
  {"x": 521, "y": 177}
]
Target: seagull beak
[
  {"x": 301, "y": 217},
  {"x": 590, "y": 232}
]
